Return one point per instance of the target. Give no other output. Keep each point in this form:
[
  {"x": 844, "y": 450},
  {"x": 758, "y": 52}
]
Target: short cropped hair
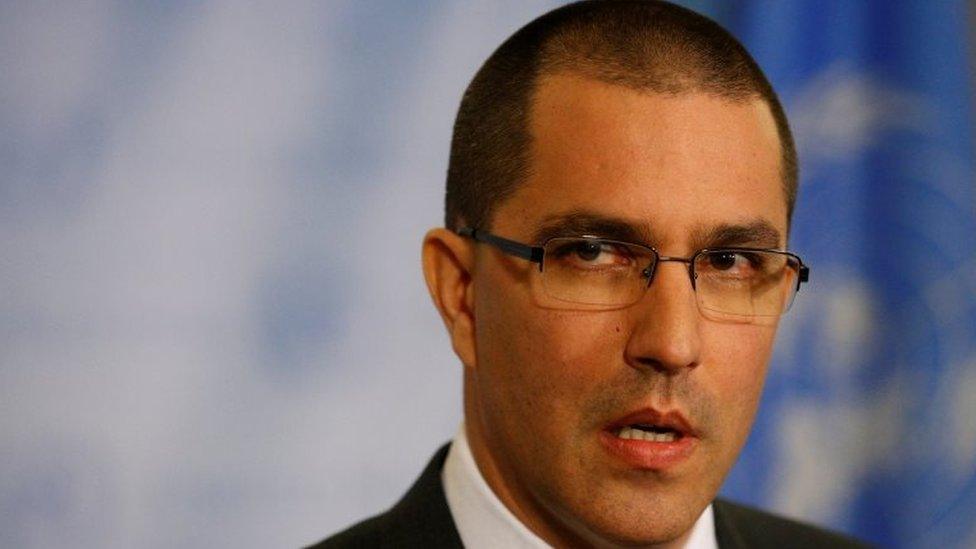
[{"x": 647, "y": 45}]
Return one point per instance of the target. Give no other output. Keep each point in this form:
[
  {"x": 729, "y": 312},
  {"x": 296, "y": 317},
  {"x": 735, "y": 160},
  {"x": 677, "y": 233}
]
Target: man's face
[{"x": 551, "y": 387}]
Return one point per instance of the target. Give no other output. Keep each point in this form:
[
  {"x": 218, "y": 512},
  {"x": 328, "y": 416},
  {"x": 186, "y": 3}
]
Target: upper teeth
[{"x": 629, "y": 433}]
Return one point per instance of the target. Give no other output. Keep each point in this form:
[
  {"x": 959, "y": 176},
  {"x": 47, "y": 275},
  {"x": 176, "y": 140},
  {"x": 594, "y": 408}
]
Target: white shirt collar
[{"x": 483, "y": 521}]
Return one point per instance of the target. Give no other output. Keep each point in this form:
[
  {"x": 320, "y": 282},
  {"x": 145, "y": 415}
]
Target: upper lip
[{"x": 672, "y": 419}]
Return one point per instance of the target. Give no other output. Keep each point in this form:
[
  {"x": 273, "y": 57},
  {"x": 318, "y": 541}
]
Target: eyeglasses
[{"x": 730, "y": 283}]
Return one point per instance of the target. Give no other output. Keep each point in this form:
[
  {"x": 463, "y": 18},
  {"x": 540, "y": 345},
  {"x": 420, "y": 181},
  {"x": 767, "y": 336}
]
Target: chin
[
  {"x": 648, "y": 518},
  {"x": 638, "y": 532}
]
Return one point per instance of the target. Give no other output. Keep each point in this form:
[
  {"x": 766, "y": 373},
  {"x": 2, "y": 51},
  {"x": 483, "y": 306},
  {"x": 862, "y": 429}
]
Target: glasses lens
[
  {"x": 590, "y": 271},
  {"x": 745, "y": 283}
]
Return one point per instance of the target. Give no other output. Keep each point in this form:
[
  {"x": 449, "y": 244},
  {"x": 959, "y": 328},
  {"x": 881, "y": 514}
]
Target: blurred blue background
[{"x": 213, "y": 328}]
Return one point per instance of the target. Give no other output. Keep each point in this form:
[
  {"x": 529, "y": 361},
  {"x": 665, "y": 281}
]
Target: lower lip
[{"x": 644, "y": 454}]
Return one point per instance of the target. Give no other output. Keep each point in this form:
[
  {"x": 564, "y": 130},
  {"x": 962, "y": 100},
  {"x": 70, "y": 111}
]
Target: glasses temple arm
[{"x": 532, "y": 253}]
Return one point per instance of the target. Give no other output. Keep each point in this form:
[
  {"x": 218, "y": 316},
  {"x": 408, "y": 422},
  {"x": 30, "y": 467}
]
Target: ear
[{"x": 448, "y": 261}]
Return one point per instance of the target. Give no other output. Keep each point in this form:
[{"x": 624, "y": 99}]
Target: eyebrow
[
  {"x": 584, "y": 222},
  {"x": 759, "y": 234}
]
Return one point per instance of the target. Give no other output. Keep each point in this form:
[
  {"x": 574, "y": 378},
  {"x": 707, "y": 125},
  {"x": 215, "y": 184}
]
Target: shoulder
[
  {"x": 395, "y": 529},
  {"x": 743, "y": 526},
  {"x": 372, "y": 532},
  {"x": 421, "y": 519}
]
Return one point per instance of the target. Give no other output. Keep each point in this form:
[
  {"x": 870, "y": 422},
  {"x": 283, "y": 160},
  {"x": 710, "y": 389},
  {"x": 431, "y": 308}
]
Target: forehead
[{"x": 676, "y": 164}]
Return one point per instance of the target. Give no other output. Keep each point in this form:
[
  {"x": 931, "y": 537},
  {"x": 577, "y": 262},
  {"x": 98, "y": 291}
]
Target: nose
[{"x": 666, "y": 333}]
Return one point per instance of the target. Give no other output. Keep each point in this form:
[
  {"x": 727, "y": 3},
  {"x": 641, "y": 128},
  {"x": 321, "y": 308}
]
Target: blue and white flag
[{"x": 869, "y": 419}]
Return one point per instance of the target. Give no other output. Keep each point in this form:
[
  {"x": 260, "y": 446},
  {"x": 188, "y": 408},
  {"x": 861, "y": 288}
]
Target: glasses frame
[{"x": 536, "y": 254}]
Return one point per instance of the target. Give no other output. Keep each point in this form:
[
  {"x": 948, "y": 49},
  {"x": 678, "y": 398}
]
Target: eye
[
  {"x": 589, "y": 254},
  {"x": 737, "y": 263},
  {"x": 722, "y": 261},
  {"x": 588, "y": 251}
]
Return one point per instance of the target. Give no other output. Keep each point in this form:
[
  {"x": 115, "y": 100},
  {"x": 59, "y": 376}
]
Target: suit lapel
[
  {"x": 422, "y": 515},
  {"x": 727, "y": 532}
]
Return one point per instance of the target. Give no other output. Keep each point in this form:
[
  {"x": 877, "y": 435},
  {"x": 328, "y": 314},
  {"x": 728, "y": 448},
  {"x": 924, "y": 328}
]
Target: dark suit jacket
[{"x": 423, "y": 519}]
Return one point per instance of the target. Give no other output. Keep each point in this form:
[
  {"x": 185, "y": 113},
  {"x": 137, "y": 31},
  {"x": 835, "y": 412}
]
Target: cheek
[
  {"x": 736, "y": 364},
  {"x": 542, "y": 363},
  {"x": 740, "y": 352}
]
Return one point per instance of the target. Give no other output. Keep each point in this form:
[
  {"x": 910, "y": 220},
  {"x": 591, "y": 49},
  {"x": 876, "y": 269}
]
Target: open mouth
[
  {"x": 651, "y": 425},
  {"x": 650, "y": 433},
  {"x": 648, "y": 439}
]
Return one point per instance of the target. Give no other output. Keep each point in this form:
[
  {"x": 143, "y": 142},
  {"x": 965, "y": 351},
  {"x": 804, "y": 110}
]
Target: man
[{"x": 611, "y": 276}]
